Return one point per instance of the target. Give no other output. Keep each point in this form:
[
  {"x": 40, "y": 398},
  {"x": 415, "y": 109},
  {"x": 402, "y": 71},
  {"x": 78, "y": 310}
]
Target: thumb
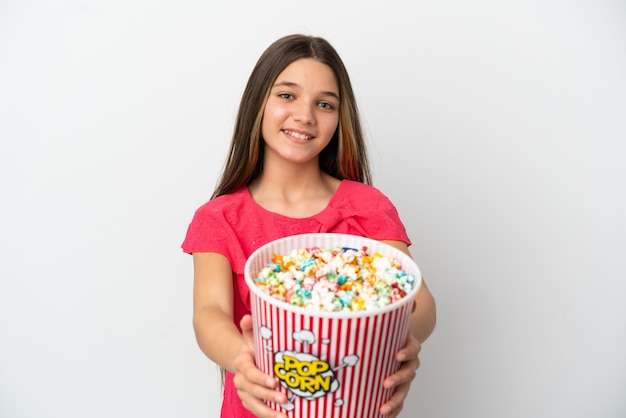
[{"x": 246, "y": 330}]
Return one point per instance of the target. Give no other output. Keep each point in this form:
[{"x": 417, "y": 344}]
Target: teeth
[{"x": 298, "y": 135}]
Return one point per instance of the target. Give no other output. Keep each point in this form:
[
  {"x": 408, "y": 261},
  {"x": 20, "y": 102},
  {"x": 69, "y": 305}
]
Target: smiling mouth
[{"x": 298, "y": 135}]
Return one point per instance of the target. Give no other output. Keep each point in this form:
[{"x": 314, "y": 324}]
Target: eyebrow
[{"x": 292, "y": 84}]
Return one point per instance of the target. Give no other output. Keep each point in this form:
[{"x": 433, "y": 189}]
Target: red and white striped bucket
[{"x": 329, "y": 364}]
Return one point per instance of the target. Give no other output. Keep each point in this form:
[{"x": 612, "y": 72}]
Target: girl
[{"x": 297, "y": 164}]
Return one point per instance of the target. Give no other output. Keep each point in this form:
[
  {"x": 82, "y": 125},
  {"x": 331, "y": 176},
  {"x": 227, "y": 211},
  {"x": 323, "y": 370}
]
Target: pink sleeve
[
  {"x": 211, "y": 230},
  {"x": 208, "y": 231},
  {"x": 371, "y": 213}
]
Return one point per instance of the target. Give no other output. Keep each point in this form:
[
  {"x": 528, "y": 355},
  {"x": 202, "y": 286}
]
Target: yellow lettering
[
  {"x": 279, "y": 370},
  {"x": 291, "y": 362},
  {"x": 320, "y": 366},
  {"x": 307, "y": 384},
  {"x": 323, "y": 382},
  {"x": 304, "y": 375}
]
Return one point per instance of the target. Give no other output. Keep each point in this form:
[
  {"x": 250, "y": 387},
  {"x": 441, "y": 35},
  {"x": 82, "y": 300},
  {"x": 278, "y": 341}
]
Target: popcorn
[{"x": 334, "y": 279}]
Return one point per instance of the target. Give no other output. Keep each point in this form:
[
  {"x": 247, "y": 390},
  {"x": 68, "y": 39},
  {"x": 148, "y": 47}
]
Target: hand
[
  {"x": 401, "y": 380},
  {"x": 254, "y": 386}
]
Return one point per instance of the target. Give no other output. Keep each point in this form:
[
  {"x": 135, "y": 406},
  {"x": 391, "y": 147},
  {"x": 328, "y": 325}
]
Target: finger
[
  {"x": 395, "y": 404},
  {"x": 246, "y": 371},
  {"x": 393, "y": 407},
  {"x": 253, "y": 393},
  {"x": 404, "y": 375},
  {"x": 258, "y": 407},
  {"x": 411, "y": 350},
  {"x": 253, "y": 389},
  {"x": 410, "y": 362}
]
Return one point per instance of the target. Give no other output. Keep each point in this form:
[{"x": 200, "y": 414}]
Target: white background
[{"x": 498, "y": 128}]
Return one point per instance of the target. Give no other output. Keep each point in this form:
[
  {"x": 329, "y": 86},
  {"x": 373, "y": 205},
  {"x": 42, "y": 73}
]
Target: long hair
[{"x": 345, "y": 157}]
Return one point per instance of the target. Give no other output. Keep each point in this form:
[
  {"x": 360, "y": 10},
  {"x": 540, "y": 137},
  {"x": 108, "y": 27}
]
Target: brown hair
[{"x": 345, "y": 157}]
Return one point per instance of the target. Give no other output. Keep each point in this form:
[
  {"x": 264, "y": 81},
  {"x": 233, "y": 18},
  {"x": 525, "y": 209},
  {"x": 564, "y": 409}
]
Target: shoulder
[
  {"x": 352, "y": 186},
  {"x": 359, "y": 191},
  {"x": 213, "y": 227},
  {"x": 353, "y": 198},
  {"x": 365, "y": 210},
  {"x": 223, "y": 203}
]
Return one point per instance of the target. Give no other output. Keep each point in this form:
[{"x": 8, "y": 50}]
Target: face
[{"x": 302, "y": 112}]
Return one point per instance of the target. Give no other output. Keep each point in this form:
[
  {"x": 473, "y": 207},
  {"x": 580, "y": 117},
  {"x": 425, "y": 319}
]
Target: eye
[
  {"x": 286, "y": 96},
  {"x": 326, "y": 105}
]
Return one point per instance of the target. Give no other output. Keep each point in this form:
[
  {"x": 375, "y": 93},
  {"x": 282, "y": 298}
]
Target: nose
[{"x": 303, "y": 113}]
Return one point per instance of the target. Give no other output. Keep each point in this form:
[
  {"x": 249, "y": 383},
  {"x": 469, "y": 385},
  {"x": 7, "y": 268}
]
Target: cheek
[
  {"x": 274, "y": 114},
  {"x": 330, "y": 125},
  {"x": 270, "y": 119}
]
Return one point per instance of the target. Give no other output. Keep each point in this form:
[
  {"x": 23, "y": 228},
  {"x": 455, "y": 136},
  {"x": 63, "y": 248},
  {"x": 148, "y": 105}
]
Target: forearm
[{"x": 217, "y": 336}]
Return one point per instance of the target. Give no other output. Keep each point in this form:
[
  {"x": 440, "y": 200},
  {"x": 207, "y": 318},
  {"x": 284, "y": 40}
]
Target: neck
[
  {"x": 279, "y": 174},
  {"x": 296, "y": 191}
]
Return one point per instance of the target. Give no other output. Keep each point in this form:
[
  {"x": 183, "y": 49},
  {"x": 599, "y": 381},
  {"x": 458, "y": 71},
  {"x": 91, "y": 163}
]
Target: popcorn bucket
[{"x": 329, "y": 364}]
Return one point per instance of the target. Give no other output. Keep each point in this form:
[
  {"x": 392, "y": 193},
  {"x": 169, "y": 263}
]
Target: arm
[
  {"x": 213, "y": 308},
  {"x": 219, "y": 338},
  {"x": 422, "y": 324}
]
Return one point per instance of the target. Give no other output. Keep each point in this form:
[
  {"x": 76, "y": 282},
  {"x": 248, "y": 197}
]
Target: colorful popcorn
[{"x": 335, "y": 279}]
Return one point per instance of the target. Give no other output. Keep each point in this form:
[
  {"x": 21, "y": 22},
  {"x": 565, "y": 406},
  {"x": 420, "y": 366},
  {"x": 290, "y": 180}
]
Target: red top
[{"x": 234, "y": 225}]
